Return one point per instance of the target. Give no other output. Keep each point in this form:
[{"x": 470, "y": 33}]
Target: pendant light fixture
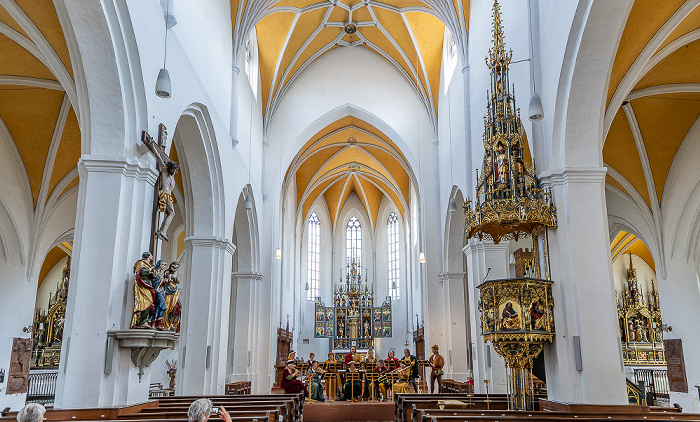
[
  {"x": 535, "y": 111},
  {"x": 248, "y": 198},
  {"x": 453, "y": 206},
  {"x": 163, "y": 81}
]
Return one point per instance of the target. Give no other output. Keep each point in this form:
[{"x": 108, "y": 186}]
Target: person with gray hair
[
  {"x": 201, "y": 409},
  {"x": 33, "y": 412}
]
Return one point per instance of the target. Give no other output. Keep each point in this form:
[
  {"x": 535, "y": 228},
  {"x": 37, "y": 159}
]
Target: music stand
[
  {"x": 370, "y": 379},
  {"x": 302, "y": 367},
  {"x": 392, "y": 377},
  {"x": 331, "y": 379},
  {"x": 391, "y": 364},
  {"x": 353, "y": 377},
  {"x": 422, "y": 364}
]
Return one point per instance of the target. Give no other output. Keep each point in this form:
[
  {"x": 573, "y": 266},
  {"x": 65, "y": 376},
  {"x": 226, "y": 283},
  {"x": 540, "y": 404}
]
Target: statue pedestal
[{"x": 145, "y": 345}]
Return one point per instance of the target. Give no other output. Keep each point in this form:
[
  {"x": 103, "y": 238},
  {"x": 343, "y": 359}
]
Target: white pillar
[
  {"x": 243, "y": 322},
  {"x": 205, "y": 316},
  {"x": 486, "y": 364},
  {"x": 583, "y": 290},
  {"x": 679, "y": 298},
  {"x": 112, "y": 230},
  {"x": 457, "y": 318}
]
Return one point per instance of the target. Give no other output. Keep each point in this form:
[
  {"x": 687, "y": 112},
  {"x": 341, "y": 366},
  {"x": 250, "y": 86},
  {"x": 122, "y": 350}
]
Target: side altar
[
  {"x": 353, "y": 320},
  {"x": 641, "y": 328}
]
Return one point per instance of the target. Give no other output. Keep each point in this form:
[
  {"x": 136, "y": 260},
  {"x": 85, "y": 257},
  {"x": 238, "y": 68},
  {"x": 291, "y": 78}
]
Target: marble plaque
[
  {"x": 676, "y": 366},
  {"x": 20, "y": 360}
]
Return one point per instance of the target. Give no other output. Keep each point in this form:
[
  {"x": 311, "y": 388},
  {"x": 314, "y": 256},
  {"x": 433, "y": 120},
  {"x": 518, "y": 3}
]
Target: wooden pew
[
  {"x": 179, "y": 413},
  {"x": 402, "y": 402},
  {"x": 293, "y": 403},
  {"x": 542, "y": 416}
]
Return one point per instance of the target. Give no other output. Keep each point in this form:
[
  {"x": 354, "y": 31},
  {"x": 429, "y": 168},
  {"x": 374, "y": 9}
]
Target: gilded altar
[
  {"x": 353, "y": 320},
  {"x": 47, "y": 331},
  {"x": 641, "y": 328}
]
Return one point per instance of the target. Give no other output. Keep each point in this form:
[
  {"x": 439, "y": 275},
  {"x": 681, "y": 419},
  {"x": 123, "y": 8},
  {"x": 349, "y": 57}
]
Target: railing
[
  {"x": 42, "y": 387},
  {"x": 656, "y": 382}
]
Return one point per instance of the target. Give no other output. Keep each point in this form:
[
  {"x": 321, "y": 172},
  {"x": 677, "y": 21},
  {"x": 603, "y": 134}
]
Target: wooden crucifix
[{"x": 163, "y": 195}]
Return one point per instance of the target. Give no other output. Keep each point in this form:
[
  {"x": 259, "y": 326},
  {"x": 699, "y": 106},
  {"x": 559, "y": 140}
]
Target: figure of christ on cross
[{"x": 166, "y": 181}]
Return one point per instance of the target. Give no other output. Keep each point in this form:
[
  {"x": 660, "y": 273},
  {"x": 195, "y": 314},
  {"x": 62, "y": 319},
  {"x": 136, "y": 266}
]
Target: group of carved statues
[{"x": 156, "y": 295}]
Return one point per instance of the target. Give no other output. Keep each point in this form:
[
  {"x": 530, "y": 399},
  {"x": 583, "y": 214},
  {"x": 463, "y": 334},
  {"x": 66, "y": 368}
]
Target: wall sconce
[
  {"x": 278, "y": 254},
  {"x": 421, "y": 258}
]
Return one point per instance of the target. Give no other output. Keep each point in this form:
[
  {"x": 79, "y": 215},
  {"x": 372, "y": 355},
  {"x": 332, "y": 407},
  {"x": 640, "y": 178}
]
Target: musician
[
  {"x": 313, "y": 375},
  {"x": 352, "y": 356},
  {"x": 351, "y": 389},
  {"x": 334, "y": 387},
  {"x": 312, "y": 359},
  {"x": 436, "y": 363},
  {"x": 391, "y": 358},
  {"x": 368, "y": 365},
  {"x": 292, "y": 355},
  {"x": 381, "y": 382},
  {"x": 404, "y": 371},
  {"x": 412, "y": 363},
  {"x": 370, "y": 360},
  {"x": 290, "y": 383}
]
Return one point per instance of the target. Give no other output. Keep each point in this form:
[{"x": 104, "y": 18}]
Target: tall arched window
[
  {"x": 392, "y": 230},
  {"x": 313, "y": 256},
  {"x": 353, "y": 239}
]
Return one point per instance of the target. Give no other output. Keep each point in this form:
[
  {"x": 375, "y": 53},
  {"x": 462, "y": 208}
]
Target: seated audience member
[
  {"x": 201, "y": 409},
  {"x": 33, "y": 412},
  {"x": 290, "y": 383},
  {"x": 352, "y": 389}
]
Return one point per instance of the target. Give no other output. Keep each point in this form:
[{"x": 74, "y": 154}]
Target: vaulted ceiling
[
  {"x": 626, "y": 242},
  {"x": 349, "y": 157},
  {"x": 293, "y": 33},
  {"x": 38, "y": 99},
  {"x": 653, "y": 98}
]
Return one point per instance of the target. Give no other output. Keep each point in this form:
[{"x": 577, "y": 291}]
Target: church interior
[{"x": 496, "y": 202}]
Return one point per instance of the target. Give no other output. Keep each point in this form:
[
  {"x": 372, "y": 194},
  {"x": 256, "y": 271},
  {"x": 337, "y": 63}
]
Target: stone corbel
[{"x": 145, "y": 345}]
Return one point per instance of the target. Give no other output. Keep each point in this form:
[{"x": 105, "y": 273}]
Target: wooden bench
[
  {"x": 403, "y": 402},
  {"x": 292, "y": 403},
  {"x": 237, "y": 388},
  {"x": 238, "y": 409},
  {"x": 542, "y": 416}
]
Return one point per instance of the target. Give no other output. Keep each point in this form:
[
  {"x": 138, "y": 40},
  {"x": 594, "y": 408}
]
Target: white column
[
  {"x": 583, "y": 290},
  {"x": 486, "y": 364},
  {"x": 205, "y": 316},
  {"x": 457, "y": 318},
  {"x": 243, "y": 322},
  {"x": 679, "y": 299},
  {"x": 112, "y": 230}
]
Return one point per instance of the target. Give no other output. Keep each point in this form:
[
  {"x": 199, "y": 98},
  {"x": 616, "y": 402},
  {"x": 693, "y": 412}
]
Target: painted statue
[
  {"x": 537, "y": 312},
  {"x": 173, "y": 308},
  {"x": 149, "y": 298}
]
